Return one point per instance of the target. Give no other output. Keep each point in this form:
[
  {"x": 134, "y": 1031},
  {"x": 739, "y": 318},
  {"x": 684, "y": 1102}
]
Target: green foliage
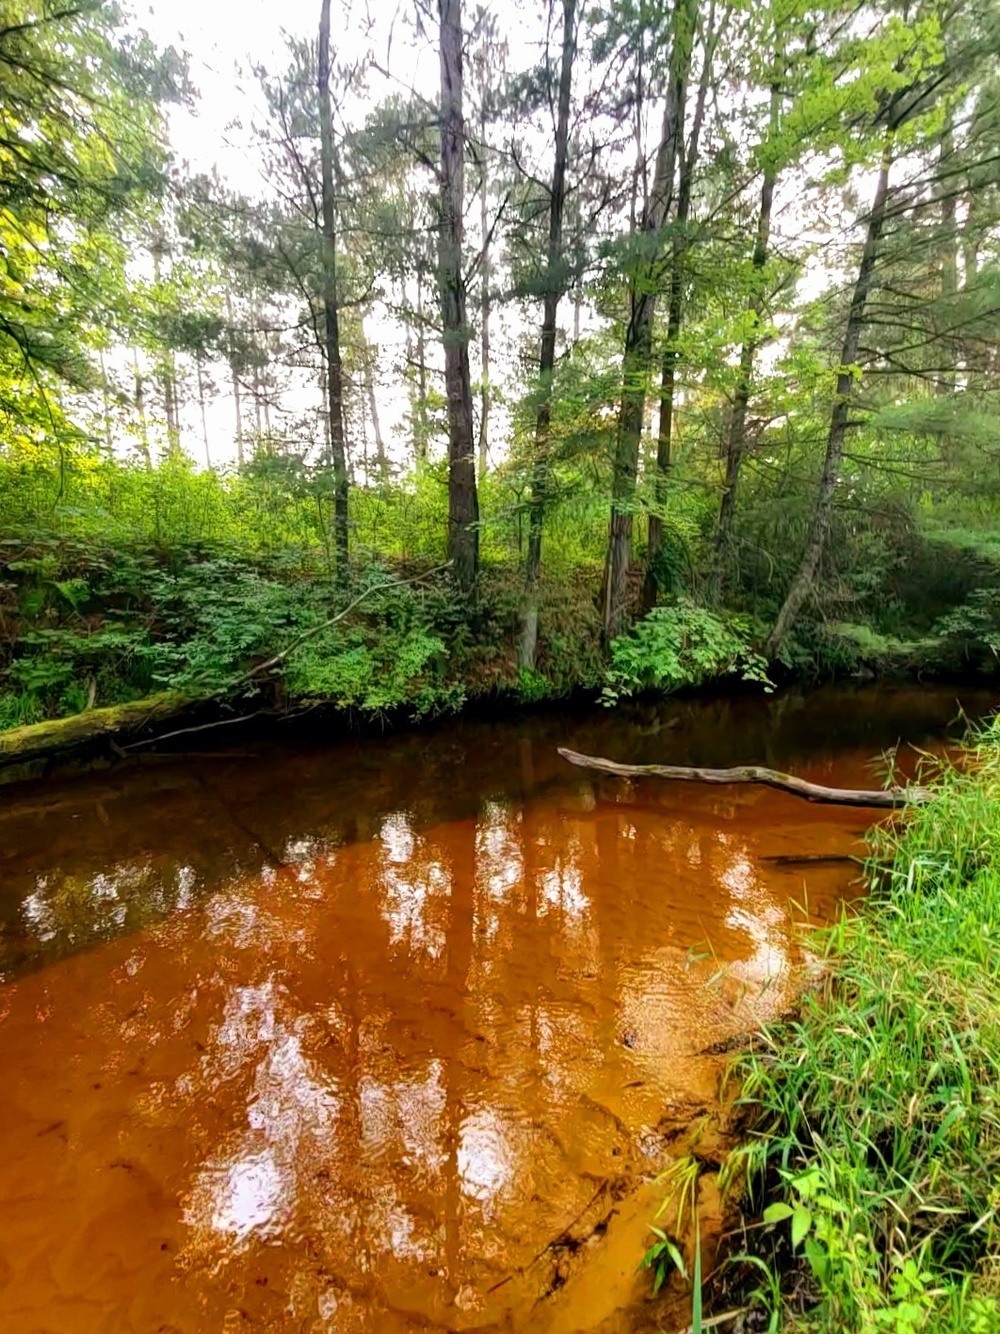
[
  {"x": 663, "y": 1257},
  {"x": 666, "y": 1255},
  {"x": 973, "y": 629},
  {"x": 682, "y": 645},
  {"x": 81, "y": 153},
  {"x": 140, "y": 621},
  {"x": 874, "y": 1126},
  {"x": 532, "y": 686}
]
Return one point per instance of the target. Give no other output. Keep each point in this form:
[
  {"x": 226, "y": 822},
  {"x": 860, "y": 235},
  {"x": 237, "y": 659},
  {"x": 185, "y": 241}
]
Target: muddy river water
[{"x": 396, "y": 1035}]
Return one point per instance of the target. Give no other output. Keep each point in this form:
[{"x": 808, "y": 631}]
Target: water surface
[{"x": 395, "y": 1035}]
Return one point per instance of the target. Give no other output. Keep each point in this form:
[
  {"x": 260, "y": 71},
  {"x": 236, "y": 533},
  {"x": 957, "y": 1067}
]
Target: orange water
[{"x": 394, "y": 1036}]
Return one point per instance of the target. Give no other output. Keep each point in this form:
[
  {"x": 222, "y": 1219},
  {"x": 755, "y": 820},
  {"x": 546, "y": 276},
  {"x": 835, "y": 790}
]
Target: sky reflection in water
[{"x": 363, "y": 1088}]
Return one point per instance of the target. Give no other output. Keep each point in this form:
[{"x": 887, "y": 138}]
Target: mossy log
[
  {"x": 889, "y": 797},
  {"x": 66, "y": 736}
]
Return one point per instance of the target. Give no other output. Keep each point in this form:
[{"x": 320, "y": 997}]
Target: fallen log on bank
[
  {"x": 110, "y": 726},
  {"x": 889, "y": 797},
  {"x": 63, "y": 736}
]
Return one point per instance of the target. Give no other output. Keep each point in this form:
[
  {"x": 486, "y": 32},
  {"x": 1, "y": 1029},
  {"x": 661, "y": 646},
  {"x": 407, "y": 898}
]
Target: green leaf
[
  {"x": 819, "y": 1261},
  {"x": 777, "y": 1213},
  {"x": 801, "y": 1223}
]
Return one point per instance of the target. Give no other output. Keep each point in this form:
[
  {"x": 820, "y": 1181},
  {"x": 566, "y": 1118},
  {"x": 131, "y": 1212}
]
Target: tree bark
[
  {"x": 463, "y": 499},
  {"x": 234, "y": 374},
  {"x": 888, "y": 798},
  {"x": 637, "y": 362},
  {"x": 106, "y": 400},
  {"x": 258, "y": 420},
  {"x": 949, "y": 258},
  {"x": 736, "y": 435},
  {"x": 681, "y": 64},
  {"x": 66, "y": 736},
  {"x": 486, "y": 306},
  {"x": 168, "y": 374},
  {"x": 170, "y": 405},
  {"x": 201, "y": 406},
  {"x": 334, "y": 365},
  {"x": 820, "y": 527},
  {"x": 420, "y": 423},
  {"x": 380, "y": 454},
  {"x": 140, "y": 407},
  {"x": 555, "y": 288}
]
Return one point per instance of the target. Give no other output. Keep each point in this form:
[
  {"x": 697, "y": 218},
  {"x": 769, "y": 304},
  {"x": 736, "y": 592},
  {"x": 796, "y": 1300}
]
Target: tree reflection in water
[{"x": 363, "y": 1084}]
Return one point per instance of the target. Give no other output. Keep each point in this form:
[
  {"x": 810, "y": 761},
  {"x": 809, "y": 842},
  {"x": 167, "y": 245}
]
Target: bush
[{"x": 681, "y": 645}]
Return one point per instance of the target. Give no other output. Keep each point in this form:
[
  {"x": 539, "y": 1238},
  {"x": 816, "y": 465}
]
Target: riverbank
[
  {"x": 872, "y": 1121},
  {"x": 120, "y": 641}
]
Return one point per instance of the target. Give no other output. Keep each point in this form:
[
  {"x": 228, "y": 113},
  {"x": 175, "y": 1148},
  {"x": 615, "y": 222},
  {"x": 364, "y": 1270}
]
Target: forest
[
  {"x": 444, "y": 355},
  {"x": 550, "y": 348}
]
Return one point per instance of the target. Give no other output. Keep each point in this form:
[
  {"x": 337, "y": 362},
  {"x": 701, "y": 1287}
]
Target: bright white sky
[{"x": 224, "y": 40}]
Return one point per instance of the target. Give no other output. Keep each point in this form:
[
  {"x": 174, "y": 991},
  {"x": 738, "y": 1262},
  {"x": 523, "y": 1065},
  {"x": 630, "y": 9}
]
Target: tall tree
[
  {"x": 555, "y": 281},
  {"x": 819, "y": 528},
  {"x": 679, "y": 246},
  {"x": 769, "y": 155},
  {"x": 81, "y": 156},
  {"x": 638, "y": 352},
  {"x": 488, "y": 62},
  {"x": 331, "y": 317},
  {"x": 463, "y": 498},
  {"x": 895, "y": 329}
]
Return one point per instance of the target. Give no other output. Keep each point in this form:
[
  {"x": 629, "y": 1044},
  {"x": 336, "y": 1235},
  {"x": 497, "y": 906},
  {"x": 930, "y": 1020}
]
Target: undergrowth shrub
[{"x": 681, "y": 645}]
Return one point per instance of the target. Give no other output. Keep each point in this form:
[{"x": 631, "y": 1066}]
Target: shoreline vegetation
[
  {"x": 865, "y": 1182},
  {"x": 628, "y": 434},
  {"x": 110, "y": 639}
]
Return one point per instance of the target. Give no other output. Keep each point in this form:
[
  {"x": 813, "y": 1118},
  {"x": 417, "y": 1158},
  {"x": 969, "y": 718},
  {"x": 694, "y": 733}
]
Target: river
[{"x": 394, "y": 1035}]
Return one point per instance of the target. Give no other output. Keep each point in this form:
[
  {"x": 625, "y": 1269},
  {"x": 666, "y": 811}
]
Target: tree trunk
[
  {"x": 637, "y": 362},
  {"x": 168, "y": 375},
  {"x": 266, "y": 395},
  {"x": 949, "y": 256},
  {"x": 331, "y": 346},
  {"x": 970, "y": 244},
  {"x": 420, "y": 429},
  {"x": 680, "y": 70},
  {"x": 83, "y": 731},
  {"x": 820, "y": 527},
  {"x": 555, "y": 287},
  {"x": 170, "y": 405},
  {"x": 463, "y": 500},
  {"x": 201, "y": 406},
  {"x": 380, "y": 455},
  {"x": 106, "y": 400},
  {"x": 484, "y": 232},
  {"x": 234, "y": 374},
  {"x": 258, "y": 420},
  {"x": 140, "y": 407},
  {"x": 736, "y": 436}
]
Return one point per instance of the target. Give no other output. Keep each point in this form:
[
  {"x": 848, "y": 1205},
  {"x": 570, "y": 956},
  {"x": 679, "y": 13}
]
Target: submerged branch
[{"x": 890, "y": 797}]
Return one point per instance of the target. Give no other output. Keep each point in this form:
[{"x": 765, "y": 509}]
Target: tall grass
[{"x": 873, "y": 1148}]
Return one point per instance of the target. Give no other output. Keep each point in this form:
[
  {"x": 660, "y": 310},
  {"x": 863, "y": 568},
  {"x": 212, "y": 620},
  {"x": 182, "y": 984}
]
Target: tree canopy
[{"x": 690, "y": 308}]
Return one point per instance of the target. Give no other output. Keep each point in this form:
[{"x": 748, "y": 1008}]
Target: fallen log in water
[{"x": 890, "y": 797}]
